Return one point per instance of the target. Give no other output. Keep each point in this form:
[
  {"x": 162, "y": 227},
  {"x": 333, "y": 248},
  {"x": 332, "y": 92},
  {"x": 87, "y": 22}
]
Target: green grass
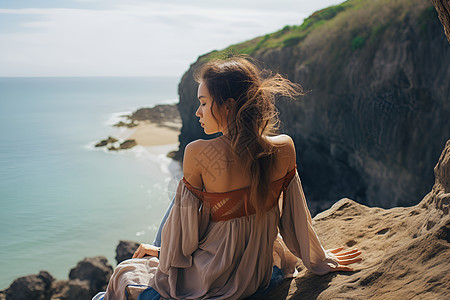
[
  {"x": 334, "y": 33},
  {"x": 290, "y": 35},
  {"x": 358, "y": 42}
]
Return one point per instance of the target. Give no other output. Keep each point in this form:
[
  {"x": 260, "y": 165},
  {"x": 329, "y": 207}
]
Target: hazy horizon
[{"x": 134, "y": 38}]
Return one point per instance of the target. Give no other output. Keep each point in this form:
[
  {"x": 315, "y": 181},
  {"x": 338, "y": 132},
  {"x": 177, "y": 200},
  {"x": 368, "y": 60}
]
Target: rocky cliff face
[{"x": 378, "y": 108}]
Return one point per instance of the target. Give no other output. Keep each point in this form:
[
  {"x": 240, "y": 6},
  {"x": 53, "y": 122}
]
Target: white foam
[
  {"x": 115, "y": 118},
  {"x": 91, "y": 146}
]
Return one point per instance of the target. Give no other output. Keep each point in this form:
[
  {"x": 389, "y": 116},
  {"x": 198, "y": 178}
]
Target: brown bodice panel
[{"x": 234, "y": 204}]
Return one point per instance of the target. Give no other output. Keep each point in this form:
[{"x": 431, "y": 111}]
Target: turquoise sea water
[{"x": 60, "y": 198}]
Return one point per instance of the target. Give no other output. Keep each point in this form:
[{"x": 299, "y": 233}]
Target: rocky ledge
[
  {"x": 405, "y": 254},
  {"x": 405, "y": 249}
]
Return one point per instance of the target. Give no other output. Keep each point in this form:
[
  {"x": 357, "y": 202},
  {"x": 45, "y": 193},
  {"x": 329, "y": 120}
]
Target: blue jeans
[
  {"x": 276, "y": 279},
  {"x": 149, "y": 294},
  {"x": 157, "y": 241}
]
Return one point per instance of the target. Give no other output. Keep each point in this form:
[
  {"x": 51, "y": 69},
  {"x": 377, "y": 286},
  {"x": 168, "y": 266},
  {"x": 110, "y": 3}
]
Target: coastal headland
[{"x": 158, "y": 125}]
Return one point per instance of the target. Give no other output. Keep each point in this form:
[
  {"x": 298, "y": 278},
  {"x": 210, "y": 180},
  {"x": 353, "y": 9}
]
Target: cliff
[{"x": 376, "y": 115}]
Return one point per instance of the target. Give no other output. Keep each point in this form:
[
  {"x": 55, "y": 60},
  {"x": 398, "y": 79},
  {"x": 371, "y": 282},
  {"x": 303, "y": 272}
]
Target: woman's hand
[
  {"x": 146, "y": 250},
  {"x": 345, "y": 258}
]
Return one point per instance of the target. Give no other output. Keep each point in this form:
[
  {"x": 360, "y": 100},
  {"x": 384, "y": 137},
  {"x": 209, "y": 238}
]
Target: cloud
[{"x": 132, "y": 39}]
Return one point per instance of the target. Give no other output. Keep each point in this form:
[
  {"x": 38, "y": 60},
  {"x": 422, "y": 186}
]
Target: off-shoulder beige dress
[{"x": 203, "y": 258}]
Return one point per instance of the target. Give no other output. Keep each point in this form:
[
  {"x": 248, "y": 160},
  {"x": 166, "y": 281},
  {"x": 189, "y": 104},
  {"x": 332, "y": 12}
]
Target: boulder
[
  {"x": 108, "y": 141},
  {"x": 37, "y": 286},
  {"x": 72, "y": 290},
  {"x": 95, "y": 270},
  {"x": 128, "y": 144},
  {"x": 125, "y": 250}
]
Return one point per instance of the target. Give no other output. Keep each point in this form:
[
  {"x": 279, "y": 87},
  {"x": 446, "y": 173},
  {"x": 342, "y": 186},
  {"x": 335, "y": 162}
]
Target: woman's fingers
[
  {"x": 348, "y": 252},
  {"x": 348, "y": 255},
  {"x": 145, "y": 249},
  {"x": 349, "y": 261},
  {"x": 137, "y": 252},
  {"x": 345, "y": 258},
  {"x": 336, "y": 250}
]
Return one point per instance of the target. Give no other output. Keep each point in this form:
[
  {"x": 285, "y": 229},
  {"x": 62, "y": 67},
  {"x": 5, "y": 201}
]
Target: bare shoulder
[
  {"x": 194, "y": 146},
  {"x": 281, "y": 139},
  {"x": 191, "y": 169},
  {"x": 205, "y": 160},
  {"x": 286, "y": 150}
]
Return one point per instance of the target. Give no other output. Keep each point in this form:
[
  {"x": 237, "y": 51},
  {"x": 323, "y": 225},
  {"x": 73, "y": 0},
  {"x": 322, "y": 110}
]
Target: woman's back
[{"x": 210, "y": 164}]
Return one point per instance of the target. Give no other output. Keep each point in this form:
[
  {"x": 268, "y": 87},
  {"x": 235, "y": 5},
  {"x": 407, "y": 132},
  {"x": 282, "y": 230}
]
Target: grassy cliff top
[{"x": 348, "y": 26}]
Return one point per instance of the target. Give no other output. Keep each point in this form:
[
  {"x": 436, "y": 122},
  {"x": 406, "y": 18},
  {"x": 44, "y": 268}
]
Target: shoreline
[
  {"x": 154, "y": 126},
  {"x": 147, "y": 133}
]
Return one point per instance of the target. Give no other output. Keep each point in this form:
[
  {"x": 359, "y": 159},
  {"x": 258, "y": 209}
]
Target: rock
[
  {"x": 103, "y": 143},
  {"x": 129, "y": 124},
  {"x": 157, "y": 114},
  {"x": 71, "y": 290},
  {"x": 127, "y": 144},
  {"x": 172, "y": 154},
  {"x": 125, "y": 250},
  {"x": 405, "y": 250},
  {"x": 31, "y": 287},
  {"x": 376, "y": 118},
  {"x": 110, "y": 143},
  {"x": 442, "y": 170},
  {"x": 95, "y": 270}
]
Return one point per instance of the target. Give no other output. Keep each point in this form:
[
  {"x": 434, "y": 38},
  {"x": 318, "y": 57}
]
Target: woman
[{"x": 238, "y": 192}]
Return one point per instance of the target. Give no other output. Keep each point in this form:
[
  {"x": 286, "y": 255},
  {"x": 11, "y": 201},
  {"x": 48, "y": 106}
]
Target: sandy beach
[
  {"x": 152, "y": 134},
  {"x": 148, "y": 133}
]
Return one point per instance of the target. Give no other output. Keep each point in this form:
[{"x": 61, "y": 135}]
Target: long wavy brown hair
[{"x": 252, "y": 115}]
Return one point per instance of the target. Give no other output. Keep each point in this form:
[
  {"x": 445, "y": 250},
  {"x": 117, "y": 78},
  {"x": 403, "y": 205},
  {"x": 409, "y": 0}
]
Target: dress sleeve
[
  {"x": 182, "y": 230},
  {"x": 298, "y": 233}
]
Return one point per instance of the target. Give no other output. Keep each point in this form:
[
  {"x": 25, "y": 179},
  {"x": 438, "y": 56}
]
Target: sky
[{"x": 132, "y": 37}]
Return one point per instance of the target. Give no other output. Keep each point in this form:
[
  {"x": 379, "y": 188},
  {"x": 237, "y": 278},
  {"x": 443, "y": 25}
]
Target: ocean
[{"x": 62, "y": 199}]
